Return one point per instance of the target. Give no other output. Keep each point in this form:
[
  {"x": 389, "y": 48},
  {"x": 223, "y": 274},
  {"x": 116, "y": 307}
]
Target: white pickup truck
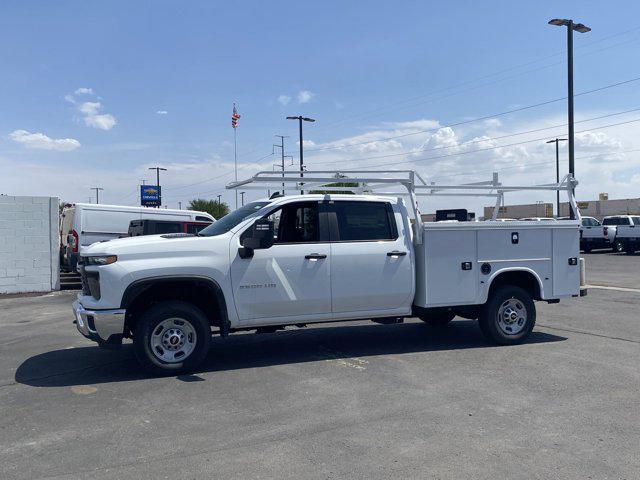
[
  {"x": 301, "y": 259},
  {"x": 594, "y": 234},
  {"x": 627, "y": 233}
]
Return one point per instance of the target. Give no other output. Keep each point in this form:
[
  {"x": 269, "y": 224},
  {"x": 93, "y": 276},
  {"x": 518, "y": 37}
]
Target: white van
[{"x": 85, "y": 223}]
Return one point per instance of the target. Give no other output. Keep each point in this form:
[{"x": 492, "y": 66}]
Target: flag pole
[{"x": 235, "y": 160}]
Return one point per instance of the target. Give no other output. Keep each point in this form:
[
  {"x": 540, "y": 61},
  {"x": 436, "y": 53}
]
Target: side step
[{"x": 388, "y": 320}]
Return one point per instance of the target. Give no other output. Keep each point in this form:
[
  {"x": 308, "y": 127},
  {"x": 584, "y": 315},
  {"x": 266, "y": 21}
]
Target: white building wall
[{"x": 29, "y": 244}]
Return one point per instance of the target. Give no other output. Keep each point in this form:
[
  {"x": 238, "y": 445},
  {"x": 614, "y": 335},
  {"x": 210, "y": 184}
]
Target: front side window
[
  {"x": 296, "y": 223},
  {"x": 361, "y": 221}
]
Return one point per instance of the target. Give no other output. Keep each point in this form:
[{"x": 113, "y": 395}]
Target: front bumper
[{"x": 103, "y": 326}]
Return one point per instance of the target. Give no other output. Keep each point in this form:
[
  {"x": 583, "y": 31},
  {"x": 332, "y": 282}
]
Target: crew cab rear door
[{"x": 371, "y": 259}]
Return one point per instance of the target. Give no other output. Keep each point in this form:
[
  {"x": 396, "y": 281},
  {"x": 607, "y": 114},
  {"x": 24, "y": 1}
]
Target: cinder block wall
[{"x": 29, "y": 244}]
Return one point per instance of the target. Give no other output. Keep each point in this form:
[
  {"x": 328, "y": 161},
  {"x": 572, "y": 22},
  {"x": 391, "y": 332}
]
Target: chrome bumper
[{"x": 102, "y": 326}]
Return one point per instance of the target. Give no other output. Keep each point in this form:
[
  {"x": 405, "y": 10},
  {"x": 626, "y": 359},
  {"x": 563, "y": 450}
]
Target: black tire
[
  {"x": 437, "y": 318},
  {"x": 587, "y": 249},
  {"x": 618, "y": 246},
  {"x": 630, "y": 249},
  {"x": 147, "y": 325},
  {"x": 488, "y": 320}
]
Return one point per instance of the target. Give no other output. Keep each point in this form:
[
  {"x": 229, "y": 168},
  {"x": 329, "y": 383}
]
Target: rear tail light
[
  {"x": 74, "y": 241},
  {"x": 605, "y": 231}
]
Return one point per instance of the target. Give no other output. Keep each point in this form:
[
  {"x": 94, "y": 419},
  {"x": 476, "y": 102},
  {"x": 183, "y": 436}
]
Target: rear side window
[
  {"x": 359, "y": 221},
  {"x": 162, "y": 227},
  {"x": 616, "y": 221},
  {"x": 636, "y": 220}
]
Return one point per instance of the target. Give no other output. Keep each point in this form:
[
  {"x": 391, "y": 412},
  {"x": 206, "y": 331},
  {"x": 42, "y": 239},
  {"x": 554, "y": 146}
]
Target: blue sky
[{"x": 365, "y": 71}]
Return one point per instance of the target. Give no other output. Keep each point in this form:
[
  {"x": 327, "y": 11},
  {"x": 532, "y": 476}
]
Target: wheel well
[
  {"x": 203, "y": 293},
  {"x": 519, "y": 278}
]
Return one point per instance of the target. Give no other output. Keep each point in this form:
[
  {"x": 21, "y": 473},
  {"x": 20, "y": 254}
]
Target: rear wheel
[
  {"x": 437, "y": 318},
  {"x": 509, "y": 315},
  {"x": 618, "y": 246},
  {"x": 586, "y": 248},
  {"x": 171, "y": 337}
]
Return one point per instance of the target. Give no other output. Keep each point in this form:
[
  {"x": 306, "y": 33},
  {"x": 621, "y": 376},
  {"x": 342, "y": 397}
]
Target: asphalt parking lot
[{"x": 356, "y": 400}]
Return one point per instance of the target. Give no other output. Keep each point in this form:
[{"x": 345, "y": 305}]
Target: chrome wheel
[
  {"x": 173, "y": 340},
  {"x": 512, "y": 316}
]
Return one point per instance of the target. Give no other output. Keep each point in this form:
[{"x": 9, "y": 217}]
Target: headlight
[{"x": 100, "y": 260}]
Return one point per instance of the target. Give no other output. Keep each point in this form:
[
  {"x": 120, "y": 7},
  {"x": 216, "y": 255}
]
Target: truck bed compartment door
[
  {"x": 566, "y": 277},
  {"x": 449, "y": 280}
]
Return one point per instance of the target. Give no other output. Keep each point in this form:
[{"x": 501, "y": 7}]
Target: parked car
[
  {"x": 83, "y": 224},
  {"x": 627, "y": 236},
  {"x": 330, "y": 258},
  {"x": 158, "y": 227},
  {"x": 538, "y": 219},
  {"x": 593, "y": 234}
]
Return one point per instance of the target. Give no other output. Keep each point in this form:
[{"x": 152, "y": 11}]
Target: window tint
[
  {"x": 296, "y": 223},
  {"x": 165, "y": 227},
  {"x": 611, "y": 221},
  {"x": 194, "y": 228},
  {"x": 636, "y": 220},
  {"x": 363, "y": 221}
]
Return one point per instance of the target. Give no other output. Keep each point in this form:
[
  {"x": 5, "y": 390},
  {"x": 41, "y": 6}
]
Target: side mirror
[{"x": 260, "y": 237}]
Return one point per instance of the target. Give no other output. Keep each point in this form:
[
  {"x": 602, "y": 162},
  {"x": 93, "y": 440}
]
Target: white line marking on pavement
[{"x": 619, "y": 289}]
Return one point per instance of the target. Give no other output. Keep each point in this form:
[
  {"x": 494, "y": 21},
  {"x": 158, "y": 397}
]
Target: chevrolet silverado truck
[
  {"x": 627, "y": 235},
  {"x": 302, "y": 259}
]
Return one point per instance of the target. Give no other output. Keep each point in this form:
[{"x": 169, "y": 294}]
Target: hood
[{"x": 156, "y": 245}]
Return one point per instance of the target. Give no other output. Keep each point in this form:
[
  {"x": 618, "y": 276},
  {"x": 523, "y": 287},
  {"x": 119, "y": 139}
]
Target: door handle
[
  {"x": 396, "y": 253},
  {"x": 315, "y": 256}
]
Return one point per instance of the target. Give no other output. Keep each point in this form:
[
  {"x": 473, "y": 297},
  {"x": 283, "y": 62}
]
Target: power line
[
  {"x": 505, "y": 70},
  {"x": 489, "y": 148},
  {"x": 485, "y": 117},
  {"x": 481, "y": 140}
]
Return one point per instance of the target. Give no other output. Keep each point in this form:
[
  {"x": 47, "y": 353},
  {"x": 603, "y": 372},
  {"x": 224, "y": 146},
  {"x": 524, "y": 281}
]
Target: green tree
[
  {"x": 212, "y": 207},
  {"x": 338, "y": 184}
]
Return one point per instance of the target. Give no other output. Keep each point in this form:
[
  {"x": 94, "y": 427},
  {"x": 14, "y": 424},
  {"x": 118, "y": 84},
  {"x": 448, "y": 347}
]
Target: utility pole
[
  {"x": 242, "y": 197},
  {"x": 180, "y": 205},
  {"x": 144, "y": 182},
  {"x": 219, "y": 200},
  {"x": 281, "y": 147},
  {"x": 301, "y": 119},
  {"x": 556, "y": 141},
  {"x": 97, "y": 189},
  {"x": 578, "y": 27},
  {"x": 157, "y": 169}
]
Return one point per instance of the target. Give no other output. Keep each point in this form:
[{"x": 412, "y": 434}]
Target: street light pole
[
  {"x": 157, "y": 169},
  {"x": 581, "y": 28},
  {"x": 556, "y": 141},
  {"x": 242, "y": 198},
  {"x": 301, "y": 119}
]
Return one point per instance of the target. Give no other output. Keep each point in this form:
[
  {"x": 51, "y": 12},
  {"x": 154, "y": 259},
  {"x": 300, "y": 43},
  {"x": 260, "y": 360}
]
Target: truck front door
[{"x": 289, "y": 282}]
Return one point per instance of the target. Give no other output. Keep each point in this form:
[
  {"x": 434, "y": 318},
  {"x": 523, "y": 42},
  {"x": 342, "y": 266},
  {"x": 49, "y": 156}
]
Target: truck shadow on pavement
[{"x": 93, "y": 365}]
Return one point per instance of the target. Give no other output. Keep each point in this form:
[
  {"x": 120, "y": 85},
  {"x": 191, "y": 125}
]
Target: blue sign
[{"x": 150, "y": 196}]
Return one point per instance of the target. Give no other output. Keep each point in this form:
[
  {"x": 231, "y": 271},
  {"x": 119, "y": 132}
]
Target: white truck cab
[{"x": 301, "y": 259}]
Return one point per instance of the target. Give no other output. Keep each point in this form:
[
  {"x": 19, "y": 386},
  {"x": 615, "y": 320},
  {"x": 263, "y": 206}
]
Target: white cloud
[
  {"x": 91, "y": 110},
  {"x": 284, "y": 100},
  {"x": 41, "y": 141},
  {"x": 162, "y": 112},
  {"x": 305, "y": 96},
  {"x": 103, "y": 122}
]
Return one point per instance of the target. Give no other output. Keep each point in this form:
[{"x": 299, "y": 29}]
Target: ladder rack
[{"x": 408, "y": 182}]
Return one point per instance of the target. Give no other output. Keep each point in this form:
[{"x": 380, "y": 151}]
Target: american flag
[{"x": 235, "y": 117}]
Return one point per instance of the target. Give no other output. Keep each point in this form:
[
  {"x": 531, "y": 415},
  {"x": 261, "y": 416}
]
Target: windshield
[{"x": 229, "y": 221}]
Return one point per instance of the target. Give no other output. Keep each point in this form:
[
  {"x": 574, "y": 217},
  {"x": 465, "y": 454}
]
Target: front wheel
[
  {"x": 509, "y": 315},
  {"x": 171, "y": 337}
]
